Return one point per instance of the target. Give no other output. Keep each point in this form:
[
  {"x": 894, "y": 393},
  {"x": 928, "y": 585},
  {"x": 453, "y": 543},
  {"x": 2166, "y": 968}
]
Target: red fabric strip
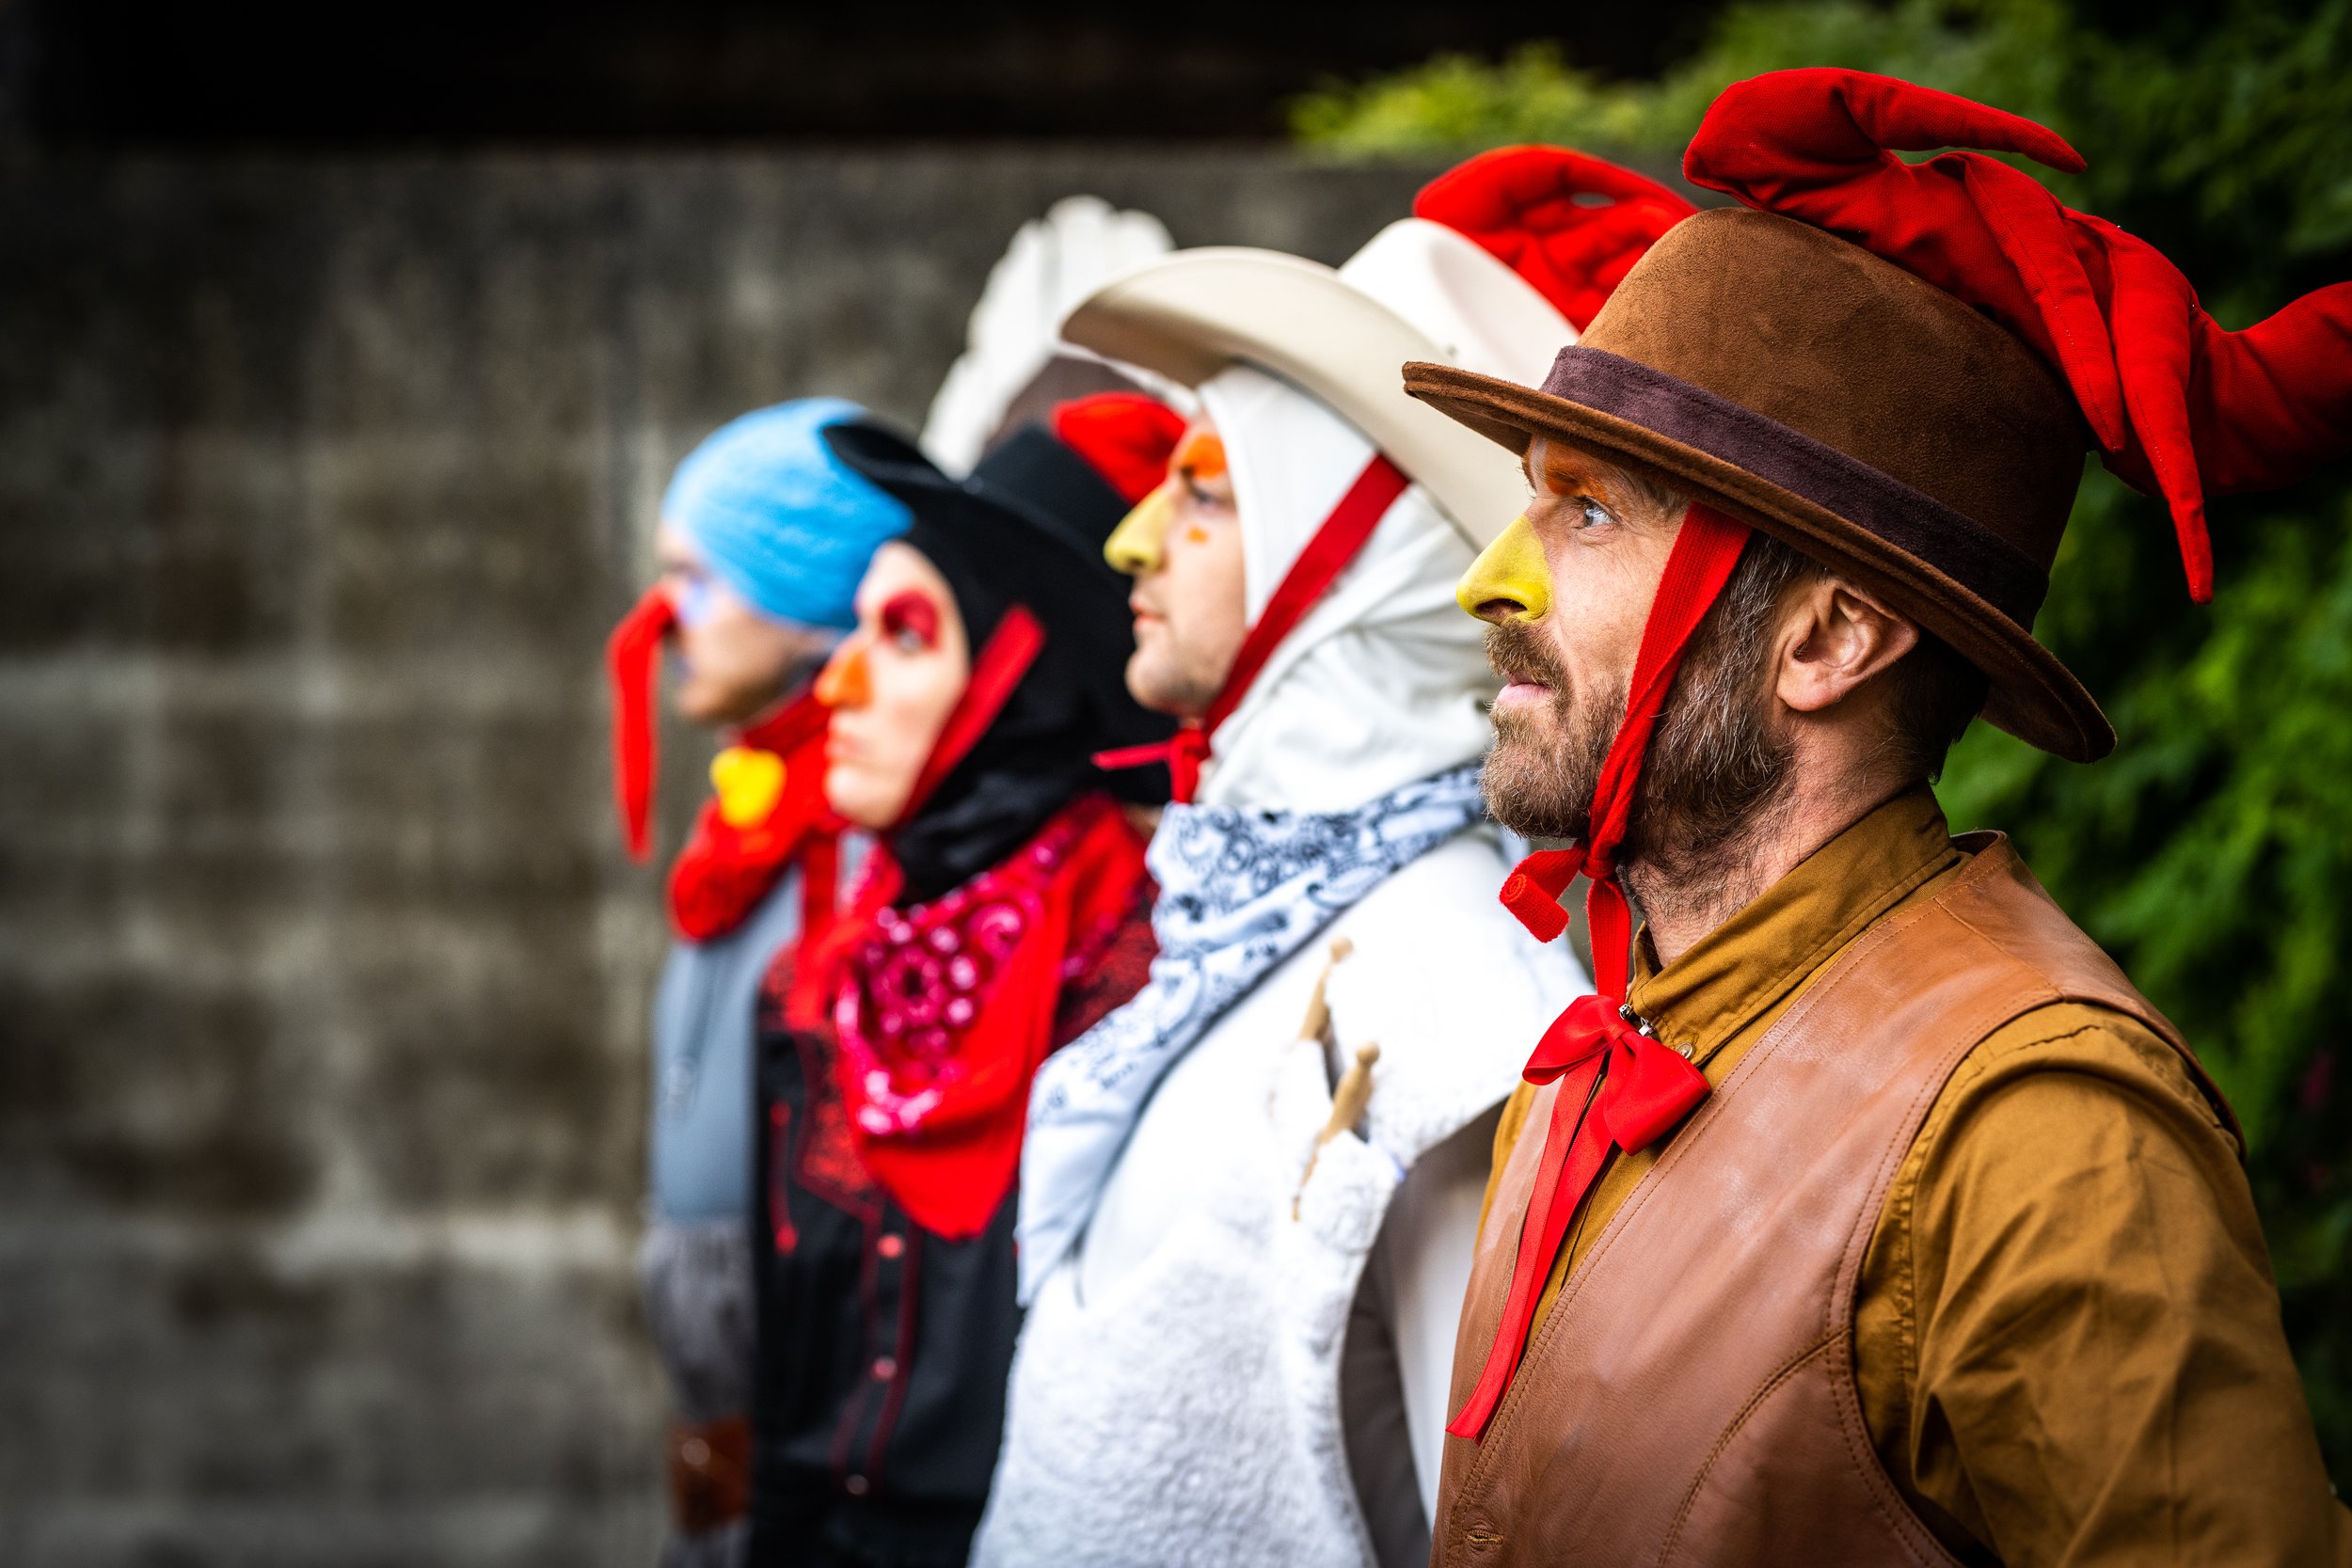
[
  {"x": 628, "y": 656},
  {"x": 1004, "y": 659},
  {"x": 1578, "y": 1161},
  {"x": 1638, "y": 1089},
  {"x": 1337, "y": 541},
  {"x": 820, "y": 885}
]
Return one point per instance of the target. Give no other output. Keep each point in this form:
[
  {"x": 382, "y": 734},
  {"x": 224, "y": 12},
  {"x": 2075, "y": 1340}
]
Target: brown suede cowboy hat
[
  {"x": 1836, "y": 401},
  {"x": 1897, "y": 367}
]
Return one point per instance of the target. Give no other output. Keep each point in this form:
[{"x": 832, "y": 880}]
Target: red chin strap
[
  {"x": 1003, "y": 659},
  {"x": 1619, "y": 1088},
  {"x": 629, "y": 660},
  {"x": 1337, "y": 541}
]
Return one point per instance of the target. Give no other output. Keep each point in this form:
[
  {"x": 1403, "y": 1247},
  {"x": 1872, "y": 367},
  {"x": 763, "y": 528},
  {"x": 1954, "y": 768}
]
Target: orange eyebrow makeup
[{"x": 1199, "y": 455}]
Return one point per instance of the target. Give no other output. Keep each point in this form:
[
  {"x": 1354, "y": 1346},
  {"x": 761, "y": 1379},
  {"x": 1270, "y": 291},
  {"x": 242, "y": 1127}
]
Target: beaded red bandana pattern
[
  {"x": 923, "y": 978},
  {"x": 941, "y": 1011}
]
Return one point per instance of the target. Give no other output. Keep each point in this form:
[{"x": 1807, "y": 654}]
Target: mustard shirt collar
[{"x": 1768, "y": 949}]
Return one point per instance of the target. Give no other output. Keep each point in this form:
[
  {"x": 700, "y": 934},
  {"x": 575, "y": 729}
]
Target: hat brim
[
  {"x": 2032, "y": 695},
  {"x": 1189, "y": 315}
]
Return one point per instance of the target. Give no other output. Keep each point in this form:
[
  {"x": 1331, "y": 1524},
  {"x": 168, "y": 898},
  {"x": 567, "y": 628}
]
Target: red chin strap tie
[
  {"x": 629, "y": 659},
  {"x": 1619, "y": 1088},
  {"x": 1337, "y": 541}
]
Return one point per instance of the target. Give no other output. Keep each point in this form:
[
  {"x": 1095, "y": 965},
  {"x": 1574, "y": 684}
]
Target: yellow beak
[
  {"x": 1511, "y": 571},
  {"x": 1135, "y": 546}
]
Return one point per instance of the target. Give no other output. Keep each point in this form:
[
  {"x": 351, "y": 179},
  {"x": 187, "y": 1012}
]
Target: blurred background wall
[{"x": 322, "y": 981}]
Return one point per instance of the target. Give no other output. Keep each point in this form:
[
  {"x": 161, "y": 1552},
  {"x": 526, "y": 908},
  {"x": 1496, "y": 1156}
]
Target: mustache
[{"x": 1517, "y": 652}]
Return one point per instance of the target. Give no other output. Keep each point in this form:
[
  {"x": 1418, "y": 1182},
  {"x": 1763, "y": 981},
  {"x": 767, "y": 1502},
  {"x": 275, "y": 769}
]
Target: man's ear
[{"x": 1834, "y": 639}]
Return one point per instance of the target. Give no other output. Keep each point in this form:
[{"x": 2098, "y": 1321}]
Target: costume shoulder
[
  {"x": 1450, "y": 987},
  {"x": 2071, "y": 1234}
]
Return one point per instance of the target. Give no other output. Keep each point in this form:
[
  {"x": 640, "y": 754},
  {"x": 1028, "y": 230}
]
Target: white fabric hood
[{"x": 1383, "y": 682}]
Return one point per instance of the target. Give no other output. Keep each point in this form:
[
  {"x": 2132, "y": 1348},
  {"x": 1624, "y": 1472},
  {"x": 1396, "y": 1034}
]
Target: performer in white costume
[{"x": 1242, "y": 1299}]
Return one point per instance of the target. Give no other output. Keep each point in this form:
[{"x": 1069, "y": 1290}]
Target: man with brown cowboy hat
[{"x": 1866, "y": 1215}]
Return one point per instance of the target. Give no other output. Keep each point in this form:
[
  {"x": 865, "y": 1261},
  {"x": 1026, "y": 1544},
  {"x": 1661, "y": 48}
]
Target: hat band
[{"x": 1910, "y": 520}]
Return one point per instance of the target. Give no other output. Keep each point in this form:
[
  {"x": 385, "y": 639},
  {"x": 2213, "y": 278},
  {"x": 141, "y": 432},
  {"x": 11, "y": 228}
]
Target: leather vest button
[
  {"x": 854, "y": 1486},
  {"x": 891, "y": 1246},
  {"x": 885, "y": 1368}
]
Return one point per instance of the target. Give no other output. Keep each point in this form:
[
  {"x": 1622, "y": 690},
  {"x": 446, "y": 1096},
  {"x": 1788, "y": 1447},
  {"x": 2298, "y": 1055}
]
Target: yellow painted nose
[
  {"x": 1135, "y": 546},
  {"x": 1510, "y": 577}
]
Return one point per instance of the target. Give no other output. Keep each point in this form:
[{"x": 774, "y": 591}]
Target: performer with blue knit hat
[{"x": 764, "y": 535}]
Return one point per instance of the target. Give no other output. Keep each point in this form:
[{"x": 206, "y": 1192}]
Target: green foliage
[{"x": 2213, "y": 852}]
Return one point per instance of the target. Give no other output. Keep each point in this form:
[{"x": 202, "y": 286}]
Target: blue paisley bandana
[{"x": 1240, "y": 891}]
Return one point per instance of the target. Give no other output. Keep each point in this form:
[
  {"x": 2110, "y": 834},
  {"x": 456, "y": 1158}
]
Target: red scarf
[
  {"x": 1619, "y": 1087},
  {"x": 943, "y": 1011},
  {"x": 726, "y": 868}
]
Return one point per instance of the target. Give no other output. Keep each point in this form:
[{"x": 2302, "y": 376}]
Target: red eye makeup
[{"x": 910, "y": 620}]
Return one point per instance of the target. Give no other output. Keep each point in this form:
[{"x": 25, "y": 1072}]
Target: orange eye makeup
[
  {"x": 1199, "y": 455},
  {"x": 1563, "y": 476},
  {"x": 911, "y": 621}
]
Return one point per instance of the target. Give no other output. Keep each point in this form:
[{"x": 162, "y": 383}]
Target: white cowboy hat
[{"x": 1418, "y": 291}]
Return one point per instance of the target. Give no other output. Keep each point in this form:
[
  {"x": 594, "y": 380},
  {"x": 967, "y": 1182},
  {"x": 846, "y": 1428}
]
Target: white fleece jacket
[{"x": 1176, "y": 1396}]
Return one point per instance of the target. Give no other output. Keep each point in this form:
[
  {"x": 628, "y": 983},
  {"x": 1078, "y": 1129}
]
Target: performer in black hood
[{"x": 1004, "y": 910}]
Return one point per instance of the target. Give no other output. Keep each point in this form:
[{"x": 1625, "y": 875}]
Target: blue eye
[{"x": 1596, "y": 513}]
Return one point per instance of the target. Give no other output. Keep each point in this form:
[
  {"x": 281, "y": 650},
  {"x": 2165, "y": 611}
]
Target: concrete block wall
[{"x": 323, "y": 978}]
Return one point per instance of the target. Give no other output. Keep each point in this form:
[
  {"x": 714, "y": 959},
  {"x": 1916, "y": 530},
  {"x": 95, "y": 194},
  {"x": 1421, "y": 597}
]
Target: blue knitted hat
[{"x": 779, "y": 518}]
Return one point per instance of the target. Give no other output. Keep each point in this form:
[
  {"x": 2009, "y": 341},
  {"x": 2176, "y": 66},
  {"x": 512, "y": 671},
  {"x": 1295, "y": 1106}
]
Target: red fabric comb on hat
[
  {"x": 1125, "y": 436},
  {"x": 1570, "y": 224},
  {"x": 2180, "y": 407}
]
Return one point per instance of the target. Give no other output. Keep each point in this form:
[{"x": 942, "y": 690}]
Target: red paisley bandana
[{"x": 942, "y": 1012}]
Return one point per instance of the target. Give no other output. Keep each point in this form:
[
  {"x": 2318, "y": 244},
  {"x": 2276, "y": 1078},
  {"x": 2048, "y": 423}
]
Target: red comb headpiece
[
  {"x": 2180, "y": 407},
  {"x": 1126, "y": 436},
  {"x": 1570, "y": 224}
]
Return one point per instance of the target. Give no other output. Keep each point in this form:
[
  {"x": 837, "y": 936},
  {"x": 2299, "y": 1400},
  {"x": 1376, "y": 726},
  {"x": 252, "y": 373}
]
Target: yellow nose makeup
[
  {"x": 1512, "y": 571},
  {"x": 1135, "y": 544}
]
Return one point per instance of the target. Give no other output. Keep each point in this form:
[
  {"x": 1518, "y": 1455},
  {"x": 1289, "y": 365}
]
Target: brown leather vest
[{"x": 1689, "y": 1398}]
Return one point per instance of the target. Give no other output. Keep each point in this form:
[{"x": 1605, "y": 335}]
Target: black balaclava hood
[{"x": 1028, "y": 527}]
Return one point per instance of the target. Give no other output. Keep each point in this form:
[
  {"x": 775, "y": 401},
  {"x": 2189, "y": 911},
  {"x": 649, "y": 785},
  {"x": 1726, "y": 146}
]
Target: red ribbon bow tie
[{"x": 1645, "y": 1086}]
